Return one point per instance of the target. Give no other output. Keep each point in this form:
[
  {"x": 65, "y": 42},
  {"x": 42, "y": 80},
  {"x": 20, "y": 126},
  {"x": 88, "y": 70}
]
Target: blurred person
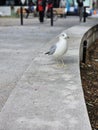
[
  {"x": 30, "y": 8},
  {"x": 48, "y": 8},
  {"x": 80, "y": 9},
  {"x": 41, "y": 5},
  {"x": 93, "y": 4},
  {"x": 62, "y": 4}
]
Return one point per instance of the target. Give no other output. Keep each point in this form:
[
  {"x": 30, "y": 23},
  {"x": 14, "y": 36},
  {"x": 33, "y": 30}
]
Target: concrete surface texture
[
  {"x": 43, "y": 95},
  {"x": 19, "y": 46}
]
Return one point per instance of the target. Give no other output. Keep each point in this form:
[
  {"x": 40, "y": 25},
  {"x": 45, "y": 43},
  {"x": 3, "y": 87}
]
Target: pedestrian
[
  {"x": 93, "y": 5},
  {"x": 30, "y": 8},
  {"x": 62, "y": 4},
  {"x": 80, "y": 9},
  {"x": 41, "y": 5},
  {"x": 48, "y": 8}
]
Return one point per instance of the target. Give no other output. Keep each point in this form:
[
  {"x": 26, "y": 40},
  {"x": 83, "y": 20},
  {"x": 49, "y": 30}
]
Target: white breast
[{"x": 61, "y": 48}]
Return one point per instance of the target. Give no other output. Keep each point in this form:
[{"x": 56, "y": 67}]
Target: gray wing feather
[{"x": 52, "y": 49}]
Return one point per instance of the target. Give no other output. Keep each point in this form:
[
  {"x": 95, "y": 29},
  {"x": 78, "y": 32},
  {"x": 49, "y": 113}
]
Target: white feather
[{"x": 60, "y": 48}]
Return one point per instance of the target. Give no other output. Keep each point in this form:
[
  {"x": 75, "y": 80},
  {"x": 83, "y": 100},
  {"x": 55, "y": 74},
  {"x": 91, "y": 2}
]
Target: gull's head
[{"x": 63, "y": 36}]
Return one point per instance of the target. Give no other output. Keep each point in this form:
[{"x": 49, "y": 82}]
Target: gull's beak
[{"x": 68, "y": 37}]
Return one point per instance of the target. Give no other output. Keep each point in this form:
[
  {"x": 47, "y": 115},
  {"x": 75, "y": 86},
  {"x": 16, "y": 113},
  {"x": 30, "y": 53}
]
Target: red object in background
[
  {"x": 49, "y": 6},
  {"x": 40, "y": 5}
]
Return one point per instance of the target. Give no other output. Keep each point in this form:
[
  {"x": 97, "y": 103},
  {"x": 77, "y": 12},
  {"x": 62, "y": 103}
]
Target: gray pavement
[
  {"x": 19, "y": 45},
  {"x": 36, "y": 94}
]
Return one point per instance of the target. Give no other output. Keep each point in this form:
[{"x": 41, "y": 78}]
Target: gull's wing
[{"x": 52, "y": 50}]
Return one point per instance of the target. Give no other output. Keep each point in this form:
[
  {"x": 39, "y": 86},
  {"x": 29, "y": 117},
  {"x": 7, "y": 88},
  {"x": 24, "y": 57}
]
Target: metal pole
[
  {"x": 21, "y": 12},
  {"x": 84, "y": 14},
  {"x": 51, "y": 16},
  {"x": 84, "y": 51}
]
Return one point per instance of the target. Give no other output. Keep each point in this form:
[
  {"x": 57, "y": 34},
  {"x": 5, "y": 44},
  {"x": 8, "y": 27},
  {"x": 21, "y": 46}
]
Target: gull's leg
[
  {"x": 63, "y": 64},
  {"x": 60, "y": 62}
]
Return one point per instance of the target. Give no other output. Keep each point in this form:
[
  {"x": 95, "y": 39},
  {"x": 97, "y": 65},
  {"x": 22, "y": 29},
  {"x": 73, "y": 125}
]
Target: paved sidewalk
[
  {"x": 61, "y": 22},
  {"x": 19, "y": 45},
  {"x": 44, "y": 96}
]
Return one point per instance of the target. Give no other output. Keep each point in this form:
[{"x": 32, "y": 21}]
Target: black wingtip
[{"x": 46, "y": 53}]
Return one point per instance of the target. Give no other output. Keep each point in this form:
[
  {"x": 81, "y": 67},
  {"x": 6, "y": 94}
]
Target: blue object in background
[
  {"x": 76, "y": 9},
  {"x": 67, "y": 5},
  {"x": 91, "y": 11}
]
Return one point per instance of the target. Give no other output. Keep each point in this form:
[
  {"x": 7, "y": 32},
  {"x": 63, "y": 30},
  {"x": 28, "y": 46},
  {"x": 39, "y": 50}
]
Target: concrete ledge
[
  {"x": 90, "y": 36},
  {"x": 48, "y": 97}
]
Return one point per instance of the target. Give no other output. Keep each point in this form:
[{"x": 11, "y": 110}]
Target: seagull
[{"x": 60, "y": 48}]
